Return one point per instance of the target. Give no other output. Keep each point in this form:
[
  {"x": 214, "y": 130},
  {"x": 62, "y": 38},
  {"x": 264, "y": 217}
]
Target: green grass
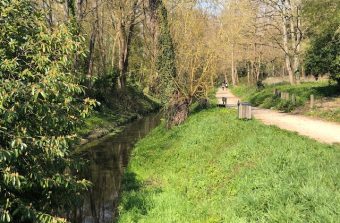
[
  {"x": 330, "y": 115},
  {"x": 216, "y": 168},
  {"x": 266, "y": 99}
]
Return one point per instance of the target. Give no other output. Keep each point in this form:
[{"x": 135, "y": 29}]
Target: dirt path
[{"x": 326, "y": 132}]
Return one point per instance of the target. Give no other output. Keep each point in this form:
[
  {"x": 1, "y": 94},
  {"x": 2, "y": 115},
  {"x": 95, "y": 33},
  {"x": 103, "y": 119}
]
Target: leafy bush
[
  {"x": 323, "y": 55},
  {"x": 286, "y": 105},
  {"x": 39, "y": 112}
]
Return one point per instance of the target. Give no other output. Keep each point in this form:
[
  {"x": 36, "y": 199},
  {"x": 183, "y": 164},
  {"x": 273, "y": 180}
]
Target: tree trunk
[
  {"x": 233, "y": 79},
  {"x": 258, "y": 69},
  {"x": 297, "y": 42},
  {"x": 286, "y": 47},
  {"x": 295, "y": 45},
  {"x": 124, "y": 24},
  {"x": 253, "y": 62},
  {"x": 125, "y": 35},
  {"x": 177, "y": 111},
  {"x": 153, "y": 6},
  {"x": 248, "y": 73},
  {"x": 91, "y": 49},
  {"x": 236, "y": 75},
  {"x": 48, "y": 11}
]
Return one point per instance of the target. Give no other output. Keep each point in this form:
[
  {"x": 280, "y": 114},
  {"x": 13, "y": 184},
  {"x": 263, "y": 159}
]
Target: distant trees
[
  {"x": 246, "y": 40},
  {"x": 259, "y": 37},
  {"x": 40, "y": 109},
  {"x": 281, "y": 21}
]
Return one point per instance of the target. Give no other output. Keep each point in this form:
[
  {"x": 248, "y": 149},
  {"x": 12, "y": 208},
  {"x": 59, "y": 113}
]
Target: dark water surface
[{"x": 108, "y": 160}]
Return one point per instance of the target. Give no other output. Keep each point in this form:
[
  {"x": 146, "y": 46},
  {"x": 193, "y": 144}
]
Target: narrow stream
[{"x": 108, "y": 160}]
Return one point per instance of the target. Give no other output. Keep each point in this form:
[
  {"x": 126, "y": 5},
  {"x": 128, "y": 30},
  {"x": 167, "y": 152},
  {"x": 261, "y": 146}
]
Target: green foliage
[
  {"x": 103, "y": 86},
  {"x": 71, "y": 5},
  {"x": 216, "y": 168},
  {"x": 323, "y": 57},
  {"x": 331, "y": 115},
  {"x": 320, "y": 14},
  {"x": 165, "y": 64},
  {"x": 39, "y": 113},
  {"x": 323, "y": 20}
]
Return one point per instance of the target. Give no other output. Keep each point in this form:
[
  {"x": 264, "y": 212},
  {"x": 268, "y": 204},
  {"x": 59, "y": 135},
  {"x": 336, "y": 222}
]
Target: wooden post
[
  {"x": 312, "y": 101},
  {"x": 287, "y": 96},
  {"x": 224, "y": 101},
  {"x": 244, "y": 111},
  {"x": 293, "y": 99}
]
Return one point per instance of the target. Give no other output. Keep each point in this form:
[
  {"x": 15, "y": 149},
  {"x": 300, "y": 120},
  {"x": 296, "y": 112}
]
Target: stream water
[{"x": 108, "y": 160}]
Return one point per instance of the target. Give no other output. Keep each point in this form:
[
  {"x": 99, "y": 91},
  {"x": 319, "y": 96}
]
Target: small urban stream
[{"x": 108, "y": 160}]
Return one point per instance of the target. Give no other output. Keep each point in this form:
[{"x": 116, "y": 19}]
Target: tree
[
  {"x": 193, "y": 35},
  {"x": 125, "y": 14},
  {"x": 284, "y": 17},
  {"x": 40, "y": 109},
  {"x": 322, "y": 55}
]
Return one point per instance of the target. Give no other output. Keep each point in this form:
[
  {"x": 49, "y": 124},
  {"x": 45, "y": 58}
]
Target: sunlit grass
[{"x": 215, "y": 168}]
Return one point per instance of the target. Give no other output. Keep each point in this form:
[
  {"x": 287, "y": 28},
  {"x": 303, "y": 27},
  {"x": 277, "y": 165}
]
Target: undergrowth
[{"x": 265, "y": 97}]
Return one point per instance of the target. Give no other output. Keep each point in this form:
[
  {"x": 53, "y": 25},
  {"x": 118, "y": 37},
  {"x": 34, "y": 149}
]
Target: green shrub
[
  {"x": 39, "y": 113},
  {"x": 285, "y": 105}
]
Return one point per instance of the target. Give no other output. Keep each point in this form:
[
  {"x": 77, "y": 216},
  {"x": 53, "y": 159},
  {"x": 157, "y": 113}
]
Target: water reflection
[{"x": 108, "y": 160}]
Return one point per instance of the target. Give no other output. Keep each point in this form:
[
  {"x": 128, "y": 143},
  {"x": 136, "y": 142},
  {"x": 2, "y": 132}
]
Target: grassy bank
[
  {"x": 327, "y": 98},
  {"x": 119, "y": 108},
  {"x": 215, "y": 168}
]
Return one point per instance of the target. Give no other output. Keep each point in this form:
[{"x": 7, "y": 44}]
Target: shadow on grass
[
  {"x": 135, "y": 198},
  {"x": 327, "y": 91}
]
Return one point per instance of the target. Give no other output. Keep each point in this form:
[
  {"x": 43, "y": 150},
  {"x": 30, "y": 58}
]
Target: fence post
[
  {"x": 283, "y": 95},
  {"x": 293, "y": 99},
  {"x": 312, "y": 101}
]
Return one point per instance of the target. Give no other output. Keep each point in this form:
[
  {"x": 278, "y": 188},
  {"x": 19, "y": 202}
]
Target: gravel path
[{"x": 322, "y": 131}]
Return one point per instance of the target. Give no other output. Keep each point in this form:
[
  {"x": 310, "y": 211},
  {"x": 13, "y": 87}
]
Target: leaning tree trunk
[{"x": 177, "y": 111}]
